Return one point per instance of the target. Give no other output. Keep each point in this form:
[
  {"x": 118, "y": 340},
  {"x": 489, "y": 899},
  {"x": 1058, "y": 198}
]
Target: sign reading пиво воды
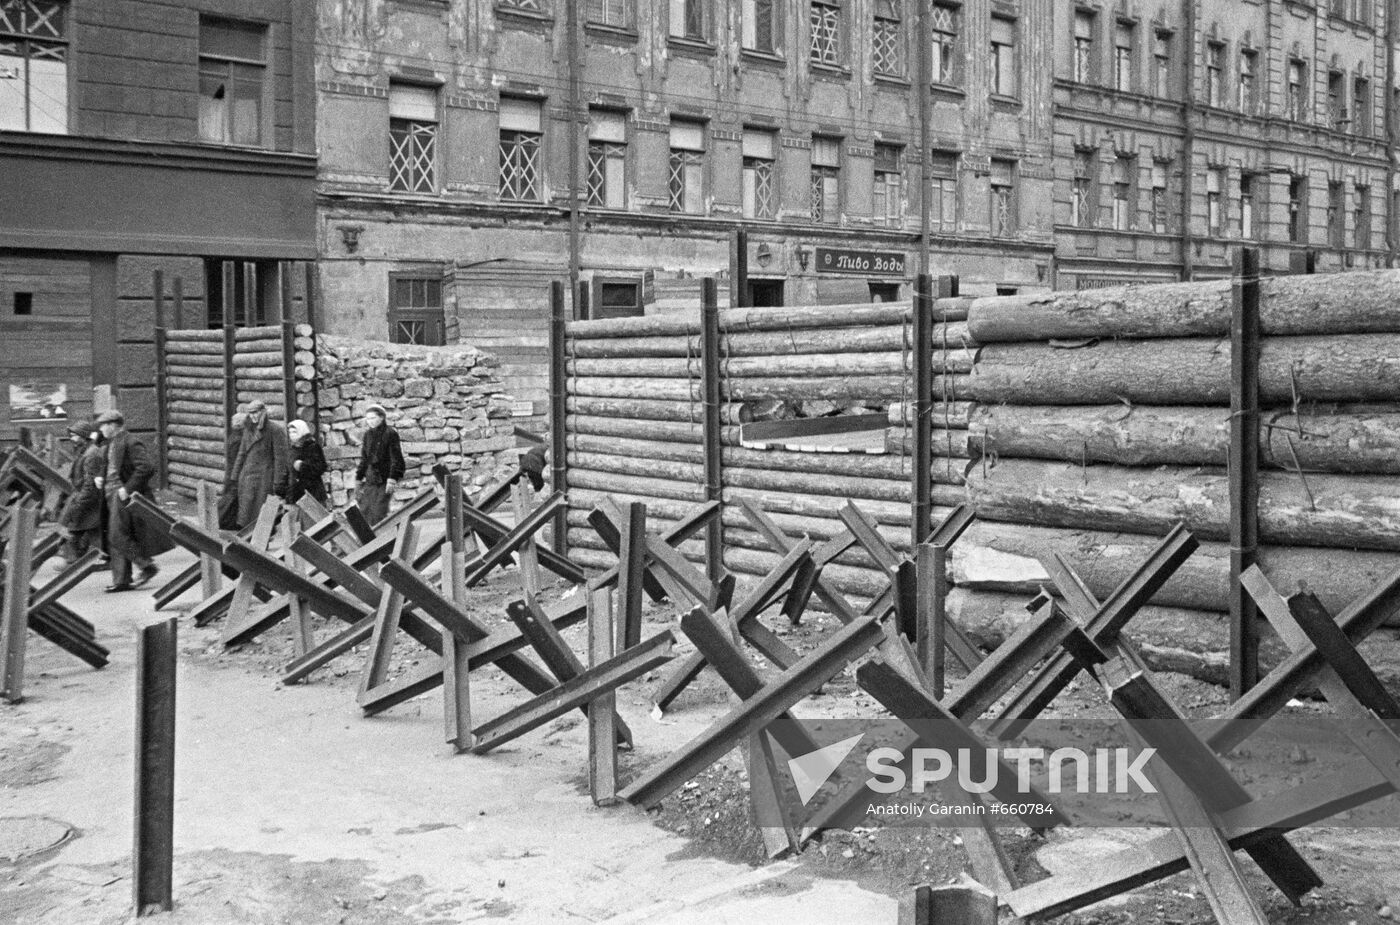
[{"x": 877, "y": 263}]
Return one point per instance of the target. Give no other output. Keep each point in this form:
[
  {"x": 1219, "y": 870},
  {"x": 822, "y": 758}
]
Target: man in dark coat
[
  {"x": 381, "y": 465},
  {"x": 262, "y": 467},
  {"x": 129, "y": 471},
  {"x": 81, "y": 517}
]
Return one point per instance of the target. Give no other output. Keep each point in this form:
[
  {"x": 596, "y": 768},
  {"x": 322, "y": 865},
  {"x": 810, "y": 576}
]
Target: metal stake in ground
[{"x": 154, "y": 849}]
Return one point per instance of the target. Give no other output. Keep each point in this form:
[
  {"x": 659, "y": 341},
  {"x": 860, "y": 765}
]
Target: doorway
[{"x": 766, "y": 293}]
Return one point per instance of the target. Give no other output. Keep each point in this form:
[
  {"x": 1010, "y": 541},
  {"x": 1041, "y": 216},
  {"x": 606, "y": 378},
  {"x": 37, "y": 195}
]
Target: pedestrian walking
[
  {"x": 128, "y": 473},
  {"x": 81, "y": 517},
  {"x": 381, "y": 465},
  {"x": 227, "y": 507},
  {"x": 262, "y": 466},
  {"x": 308, "y": 463}
]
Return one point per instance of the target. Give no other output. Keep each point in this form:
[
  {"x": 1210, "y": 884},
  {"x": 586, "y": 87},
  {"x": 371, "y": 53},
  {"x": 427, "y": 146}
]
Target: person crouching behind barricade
[
  {"x": 308, "y": 463},
  {"x": 381, "y": 465},
  {"x": 82, "y": 515},
  {"x": 129, "y": 471}
]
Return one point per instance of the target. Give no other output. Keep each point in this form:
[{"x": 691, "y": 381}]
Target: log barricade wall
[{"x": 1084, "y": 424}]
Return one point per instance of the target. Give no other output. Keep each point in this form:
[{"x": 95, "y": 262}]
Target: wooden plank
[
  {"x": 602, "y": 712},
  {"x": 242, "y": 601},
  {"x": 386, "y": 618}
]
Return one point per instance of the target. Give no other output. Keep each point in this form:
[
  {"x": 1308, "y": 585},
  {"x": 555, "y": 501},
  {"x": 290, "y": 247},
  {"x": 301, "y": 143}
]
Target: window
[
  {"x": 1361, "y": 224},
  {"x": 1296, "y": 101},
  {"x": 1124, "y": 40},
  {"x": 1004, "y": 76},
  {"x": 826, "y": 179},
  {"x": 232, "y": 67},
  {"x": 1215, "y": 212},
  {"x": 1124, "y": 193},
  {"x": 607, "y": 159},
  {"x": 1159, "y": 198},
  {"x": 760, "y": 25},
  {"x": 1249, "y": 82},
  {"x": 1336, "y": 100},
  {"x": 1336, "y": 216},
  {"x": 1246, "y": 206},
  {"x": 686, "y": 180},
  {"x": 944, "y": 63},
  {"x": 1297, "y": 210},
  {"x": 1003, "y": 198},
  {"x": 522, "y": 168},
  {"x": 688, "y": 20},
  {"x": 33, "y": 66},
  {"x": 1162, "y": 65},
  {"x": 825, "y": 38},
  {"x": 1084, "y": 22},
  {"x": 532, "y": 6},
  {"x": 1361, "y": 106},
  {"x": 608, "y": 13},
  {"x": 943, "y": 191},
  {"x": 887, "y": 42},
  {"x": 1082, "y": 204},
  {"x": 616, "y": 298},
  {"x": 760, "y": 195},
  {"x": 412, "y": 138},
  {"x": 23, "y": 303},
  {"x": 240, "y": 292},
  {"x": 888, "y": 201},
  {"x": 415, "y": 310},
  {"x": 1215, "y": 74}
]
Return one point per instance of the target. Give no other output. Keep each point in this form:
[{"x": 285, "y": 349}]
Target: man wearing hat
[
  {"x": 81, "y": 517},
  {"x": 381, "y": 464},
  {"x": 128, "y": 473},
  {"x": 261, "y": 466}
]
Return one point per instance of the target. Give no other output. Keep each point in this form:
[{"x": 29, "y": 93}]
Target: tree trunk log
[
  {"x": 673, "y": 390},
  {"x": 178, "y": 405},
  {"x": 643, "y": 488},
  {"x": 210, "y": 375},
  {"x": 1351, "y": 367},
  {"x": 1333, "y": 303},
  {"x": 640, "y": 429},
  {"x": 195, "y": 335},
  {"x": 855, "y": 488},
  {"x": 1007, "y": 557},
  {"x": 201, "y": 360},
  {"x": 670, "y": 324},
  {"x": 640, "y": 450},
  {"x": 634, "y": 347},
  {"x": 1333, "y": 511},
  {"x": 803, "y": 364},
  {"x": 261, "y": 373},
  {"x": 860, "y": 314},
  {"x": 829, "y": 388},
  {"x": 586, "y": 499},
  {"x": 199, "y": 431},
  {"x": 184, "y": 393},
  {"x": 865, "y": 465},
  {"x": 858, "y": 582},
  {"x": 648, "y": 410},
  {"x": 646, "y": 467}
]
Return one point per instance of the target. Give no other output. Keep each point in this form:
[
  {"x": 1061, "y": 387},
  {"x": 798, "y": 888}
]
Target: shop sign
[{"x": 865, "y": 263}]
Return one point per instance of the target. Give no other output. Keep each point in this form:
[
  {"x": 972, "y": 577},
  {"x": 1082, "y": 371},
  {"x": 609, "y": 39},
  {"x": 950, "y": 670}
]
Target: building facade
[
  {"x": 135, "y": 136},
  {"x": 451, "y": 131}
]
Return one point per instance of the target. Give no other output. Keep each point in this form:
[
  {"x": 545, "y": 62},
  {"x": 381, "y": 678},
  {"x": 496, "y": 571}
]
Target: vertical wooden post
[
  {"x": 155, "y": 768},
  {"x": 14, "y": 600},
  {"x": 710, "y": 375},
  {"x": 162, "y": 400},
  {"x": 522, "y": 499},
  {"x": 631, "y": 564},
  {"x": 177, "y": 300},
  {"x": 456, "y": 683},
  {"x": 250, "y": 294},
  {"x": 284, "y": 293},
  {"x": 931, "y": 566},
  {"x": 602, "y": 736},
  {"x": 922, "y": 494},
  {"x": 309, "y": 296},
  {"x": 557, "y": 350},
  {"x": 303, "y": 640},
  {"x": 739, "y": 270},
  {"x": 210, "y": 572},
  {"x": 1244, "y": 471},
  {"x": 289, "y": 368}
]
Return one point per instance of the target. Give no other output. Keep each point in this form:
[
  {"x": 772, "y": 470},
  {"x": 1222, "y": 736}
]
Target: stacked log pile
[
  {"x": 261, "y": 371},
  {"x": 194, "y": 377},
  {"x": 1096, "y": 420}
]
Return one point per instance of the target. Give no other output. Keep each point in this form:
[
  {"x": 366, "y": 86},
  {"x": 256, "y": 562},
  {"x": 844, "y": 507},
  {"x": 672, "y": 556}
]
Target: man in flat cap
[
  {"x": 261, "y": 466},
  {"x": 381, "y": 464},
  {"x": 129, "y": 472}
]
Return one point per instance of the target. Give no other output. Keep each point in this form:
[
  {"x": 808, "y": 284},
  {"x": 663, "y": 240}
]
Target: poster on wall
[{"x": 38, "y": 400}]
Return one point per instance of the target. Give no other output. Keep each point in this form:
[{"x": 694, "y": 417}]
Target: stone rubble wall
[{"x": 447, "y": 404}]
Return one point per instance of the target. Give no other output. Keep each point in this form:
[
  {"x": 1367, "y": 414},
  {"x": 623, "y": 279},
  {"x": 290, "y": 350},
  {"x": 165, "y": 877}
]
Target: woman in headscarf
[{"x": 308, "y": 463}]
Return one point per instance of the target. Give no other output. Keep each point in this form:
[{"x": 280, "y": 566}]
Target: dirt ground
[{"x": 293, "y": 808}]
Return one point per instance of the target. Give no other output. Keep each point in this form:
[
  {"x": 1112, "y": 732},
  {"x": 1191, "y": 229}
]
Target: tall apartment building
[
  {"x": 1187, "y": 128},
  {"x": 450, "y": 133},
  {"x": 138, "y": 135}
]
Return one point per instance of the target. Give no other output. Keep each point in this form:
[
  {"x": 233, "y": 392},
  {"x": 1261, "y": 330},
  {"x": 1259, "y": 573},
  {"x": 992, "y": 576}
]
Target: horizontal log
[
  {"x": 210, "y": 448},
  {"x": 638, "y": 485},
  {"x": 950, "y": 451},
  {"x": 862, "y": 583},
  {"x": 195, "y": 474},
  {"x": 1319, "y": 509},
  {"x": 806, "y": 364},
  {"x": 208, "y": 398},
  {"x": 954, "y": 308},
  {"x": 192, "y": 384},
  {"x": 214, "y": 461},
  {"x": 258, "y": 332},
  {"x": 643, "y": 409},
  {"x": 260, "y": 373},
  {"x": 626, "y": 465},
  {"x": 304, "y": 342},
  {"x": 1146, "y": 435},
  {"x": 1333, "y": 303},
  {"x": 1348, "y": 367},
  {"x": 866, "y": 465},
  {"x": 642, "y": 450},
  {"x": 181, "y": 405},
  {"x": 208, "y": 376},
  {"x": 1007, "y": 557},
  {"x": 950, "y": 415},
  {"x": 665, "y": 345},
  {"x": 303, "y": 330},
  {"x": 659, "y": 431},
  {"x": 584, "y": 499},
  {"x": 194, "y": 335},
  {"x": 664, "y": 324},
  {"x": 889, "y": 337},
  {"x": 857, "y": 488},
  {"x": 828, "y": 388},
  {"x": 214, "y": 417},
  {"x": 673, "y": 390},
  {"x": 244, "y": 358},
  {"x": 209, "y": 360},
  {"x": 860, "y": 314}
]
